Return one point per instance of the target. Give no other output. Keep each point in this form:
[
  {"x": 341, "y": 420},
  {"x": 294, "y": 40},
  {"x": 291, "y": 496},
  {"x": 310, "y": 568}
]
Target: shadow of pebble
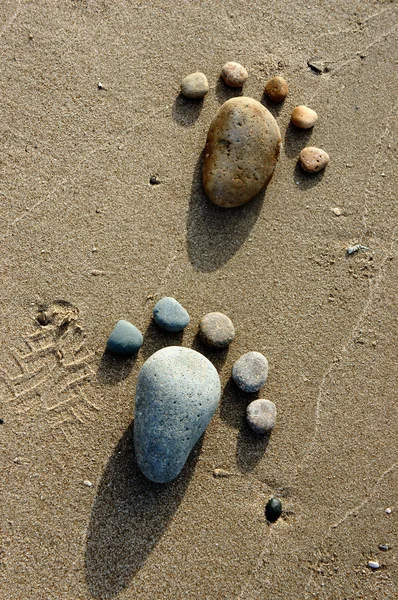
[
  {"x": 186, "y": 111},
  {"x": 215, "y": 234},
  {"x": 114, "y": 368},
  {"x": 305, "y": 181},
  {"x": 295, "y": 140},
  {"x": 156, "y": 338},
  {"x": 214, "y": 355},
  {"x": 128, "y": 518},
  {"x": 250, "y": 448},
  {"x": 273, "y": 107},
  {"x": 233, "y": 404},
  {"x": 225, "y": 92}
]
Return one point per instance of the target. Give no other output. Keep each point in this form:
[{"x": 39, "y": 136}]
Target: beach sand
[{"x": 84, "y": 233}]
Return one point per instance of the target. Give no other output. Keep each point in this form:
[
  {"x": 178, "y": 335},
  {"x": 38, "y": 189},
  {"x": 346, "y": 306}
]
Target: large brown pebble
[
  {"x": 276, "y": 89},
  {"x": 304, "y": 117},
  {"x": 241, "y": 152},
  {"x": 313, "y": 159},
  {"x": 234, "y": 74}
]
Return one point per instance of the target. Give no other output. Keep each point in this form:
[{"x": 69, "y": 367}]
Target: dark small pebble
[
  {"x": 43, "y": 318},
  {"x": 154, "y": 180},
  {"x": 384, "y": 547},
  {"x": 273, "y": 509},
  {"x": 1, "y": 421}
]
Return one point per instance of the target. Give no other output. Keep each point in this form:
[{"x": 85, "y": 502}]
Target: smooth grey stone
[
  {"x": 241, "y": 152},
  {"x": 170, "y": 315},
  {"x": 178, "y": 391},
  {"x": 195, "y": 85},
  {"x": 216, "y": 330},
  {"x": 261, "y": 416},
  {"x": 125, "y": 339},
  {"x": 250, "y": 371}
]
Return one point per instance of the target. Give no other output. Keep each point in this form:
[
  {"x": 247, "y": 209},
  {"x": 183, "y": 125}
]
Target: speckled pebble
[
  {"x": 195, "y": 86},
  {"x": 178, "y": 391},
  {"x": 304, "y": 117},
  {"x": 170, "y": 315},
  {"x": 241, "y": 152},
  {"x": 276, "y": 89},
  {"x": 261, "y": 416},
  {"x": 273, "y": 509},
  {"x": 216, "y": 330},
  {"x": 234, "y": 74},
  {"x": 313, "y": 159},
  {"x": 125, "y": 339},
  {"x": 250, "y": 371}
]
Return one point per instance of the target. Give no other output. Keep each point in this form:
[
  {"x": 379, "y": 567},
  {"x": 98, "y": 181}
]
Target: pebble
[
  {"x": 304, "y": 117},
  {"x": 241, "y": 152},
  {"x": 88, "y": 483},
  {"x": 125, "y": 339},
  {"x": 170, "y": 315},
  {"x": 384, "y": 547},
  {"x": 273, "y": 509},
  {"x": 250, "y": 371},
  {"x": 261, "y": 416},
  {"x": 178, "y": 391},
  {"x": 388, "y": 511},
  {"x": 337, "y": 211},
  {"x": 313, "y": 159},
  {"x": 216, "y": 330},
  {"x": 373, "y": 564},
  {"x": 195, "y": 85},
  {"x": 234, "y": 74},
  {"x": 221, "y": 473},
  {"x": 276, "y": 89}
]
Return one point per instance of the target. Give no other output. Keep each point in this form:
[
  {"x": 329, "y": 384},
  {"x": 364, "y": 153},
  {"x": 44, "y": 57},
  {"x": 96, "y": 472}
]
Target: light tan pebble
[
  {"x": 87, "y": 483},
  {"x": 216, "y": 330},
  {"x": 337, "y": 211},
  {"x": 241, "y": 152},
  {"x": 313, "y": 159},
  {"x": 195, "y": 85},
  {"x": 221, "y": 473},
  {"x": 234, "y": 74},
  {"x": 304, "y": 117},
  {"x": 276, "y": 89}
]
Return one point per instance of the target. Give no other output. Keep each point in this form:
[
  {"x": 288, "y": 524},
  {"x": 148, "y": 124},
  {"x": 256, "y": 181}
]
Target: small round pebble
[
  {"x": 216, "y": 330},
  {"x": 195, "y": 85},
  {"x": 276, "y": 89},
  {"x": 234, "y": 74},
  {"x": 313, "y": 159},
  {"x": 170, "y": 315},
  {"x": 373, "y": 564},
  {"x": 125, "y": 339},
  {"x": 388, "y": 511},
  {"x": 304, "y": 117},
  {"x": 250, "y": 371},
  {"x": 273, "y": 509},
  {"x": 261, "y": 416}
]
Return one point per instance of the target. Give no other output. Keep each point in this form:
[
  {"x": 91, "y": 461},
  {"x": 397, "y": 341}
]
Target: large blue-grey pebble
[
  {"x": 125, "y": 339},
  {"x": 170, "y": 315},
  {"x": 178, "y": 391},
  {"x": 250, "y": 371}
]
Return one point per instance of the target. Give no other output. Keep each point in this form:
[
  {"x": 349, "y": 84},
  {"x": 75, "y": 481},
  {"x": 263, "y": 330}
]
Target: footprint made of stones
[{"x": 178, "y": 389}]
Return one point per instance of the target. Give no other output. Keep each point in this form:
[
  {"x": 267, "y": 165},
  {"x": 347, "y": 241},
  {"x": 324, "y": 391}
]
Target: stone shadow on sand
[
  {"x": 113, "y": 368},
  {"x": 217, "y": 356},
  {"x": 225, "y": 92},
  {"x": 305, "y": 181},
  {"x": 129, "y": 516},
  {"x": 215, "y": 234},
  {"x": 273, "y": 107},
  {"x": 295, "y": 140},
  {"x": 186, "y": 111},
  {"x": 250, "y": 447},
  {"x": 156, "y": 338}
]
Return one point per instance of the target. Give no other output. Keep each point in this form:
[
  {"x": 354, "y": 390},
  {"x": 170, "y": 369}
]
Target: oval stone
[
  {"x": 250, "y": 372},
  {"x": 195, "y": 85},
  {"x": 303, "y": 117},
  {"x": 170, "y": 315},
  {"x": 125, "y": 339},
  {"x": 273, "y": 509},
  {"x": 313, "y": 159},
  {"x": 216, "y": 330},
  {"x": 261, "y": 416},
  {"x": 241, "y": 152},
  {"x": 178, "y": 391}
]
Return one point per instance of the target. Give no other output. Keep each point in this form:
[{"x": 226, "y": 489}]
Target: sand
[{"x": 84, "y": 232}]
